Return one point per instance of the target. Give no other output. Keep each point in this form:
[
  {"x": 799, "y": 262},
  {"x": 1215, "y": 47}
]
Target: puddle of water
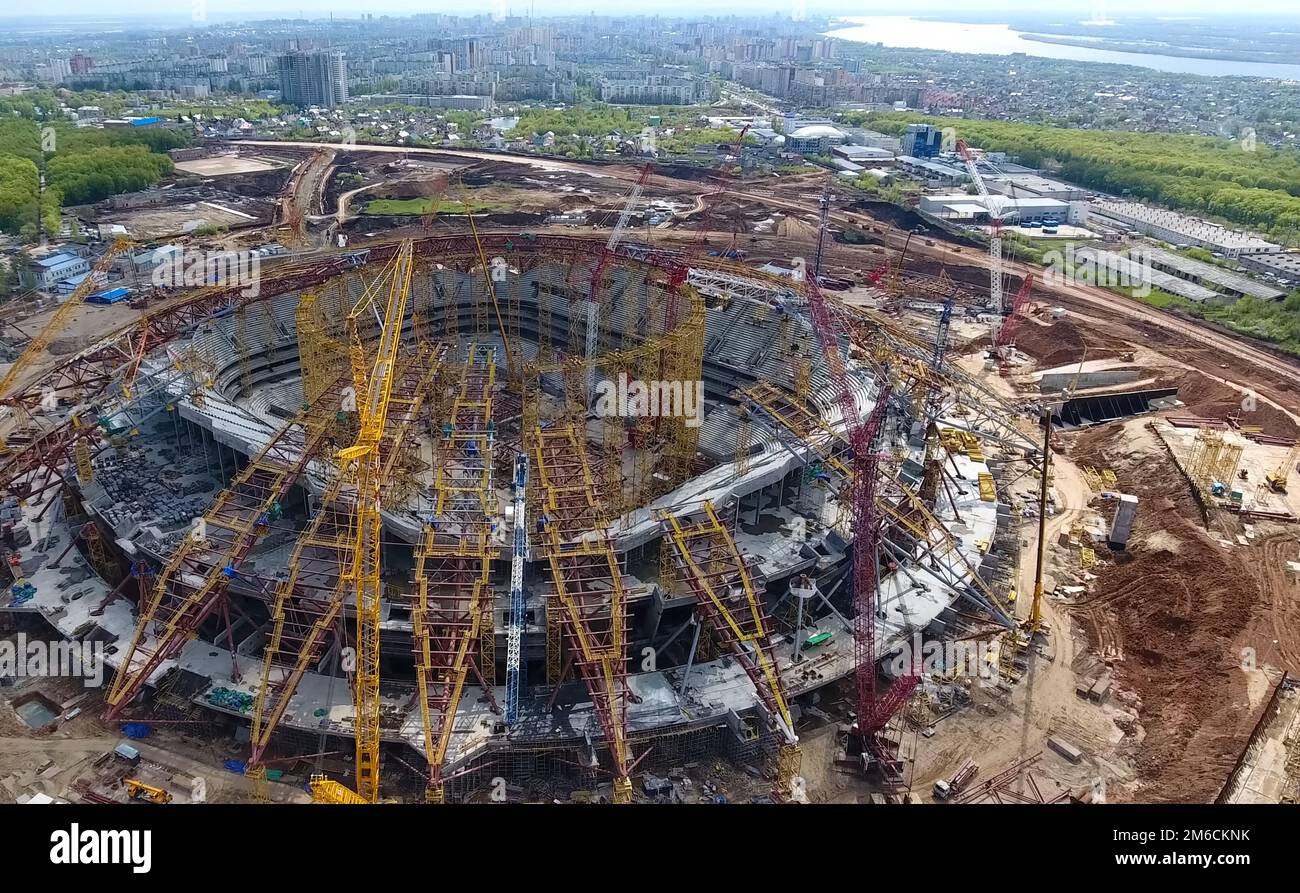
[{"x": 35, "y": 714}]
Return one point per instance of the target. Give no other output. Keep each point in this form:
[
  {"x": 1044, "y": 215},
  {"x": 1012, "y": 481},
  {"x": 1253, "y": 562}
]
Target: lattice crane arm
[
  {"x": 489, "y": 283},
  {"x": 996, "y": 296},
  {"x": 598, "y": 274},
  {"x": 373, "y": 409},
  {"x": 972, "y": 168},
  {"x": 62, "y": 316},
  {"x": 1009, "y": 325},
  {"x": 873, "y": 712},
  {"x": 617, "y": 235}
]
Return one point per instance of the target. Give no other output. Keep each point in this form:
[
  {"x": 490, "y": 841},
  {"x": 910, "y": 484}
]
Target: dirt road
[{"x": 1144, "y": 322}]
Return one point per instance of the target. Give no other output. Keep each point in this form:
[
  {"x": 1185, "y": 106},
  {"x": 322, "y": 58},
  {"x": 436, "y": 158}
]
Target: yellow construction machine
[
  {"x": 1277, "y": 477},
  {"x": 138, "y": 790}
]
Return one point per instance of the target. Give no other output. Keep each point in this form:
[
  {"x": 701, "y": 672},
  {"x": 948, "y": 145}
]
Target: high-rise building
[
  {"x": 922, "y": 141},
  {"x": 319, "y": 77}
]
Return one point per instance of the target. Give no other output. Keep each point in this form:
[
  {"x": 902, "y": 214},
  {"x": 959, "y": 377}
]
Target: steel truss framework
[
  {"x": 106, "y": 374},
  {"x": 196, "y": 579},
  {"x": 310, "y": 601},
  {"x": 915, "y": 533},
  {"x": 725, "y": 593},
  {"x": 452, "y": 605},
  {"x": 588, "y": 597},
  {"x": 103, "y": 376}
]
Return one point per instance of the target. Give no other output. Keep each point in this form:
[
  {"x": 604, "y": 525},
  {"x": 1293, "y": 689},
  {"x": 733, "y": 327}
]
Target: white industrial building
[
  {"x": 1183, "y": 229},
  {"x": 934, "y": 174},
  {"x": 1034, "y": 186},
  {"x": 814, "y": 139},
  {"x": 863, "y": 154},
  {"x": 961, "y": 207},
  {"x": 1216, "y": 278},
  {"x": 1284, "y": 265},
  {"x": 47, "y": 272}
]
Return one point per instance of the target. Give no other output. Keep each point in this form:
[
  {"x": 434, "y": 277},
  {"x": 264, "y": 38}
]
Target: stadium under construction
[{"x": 457, "y": 501}]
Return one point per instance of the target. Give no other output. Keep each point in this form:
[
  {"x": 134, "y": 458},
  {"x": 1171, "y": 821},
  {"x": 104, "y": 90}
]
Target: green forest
[
  {"x": 1256, "y": 187},
  {"x": 86, "y": 165}
]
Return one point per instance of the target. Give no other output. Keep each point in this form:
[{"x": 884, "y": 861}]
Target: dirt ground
[
  {"x": 67, "y": 760},
  {"x": 1208, "y": 397},
  {"x": 1175, "y": 614},
  {"x": 223, "y": 164},
  {"x": 1178, "y": 613}
]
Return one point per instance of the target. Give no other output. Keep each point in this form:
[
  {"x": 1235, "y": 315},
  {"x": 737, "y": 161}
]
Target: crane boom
[
  {"x": 1006, "y": 332},
  {"x": 873, "y": 712},
  {"x": 62, "y": 316},
  {"x": 598, "y": 273}
]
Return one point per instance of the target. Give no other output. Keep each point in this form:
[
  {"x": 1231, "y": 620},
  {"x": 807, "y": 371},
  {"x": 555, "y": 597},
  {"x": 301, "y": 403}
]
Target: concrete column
[{"x": 690, "y": 660}]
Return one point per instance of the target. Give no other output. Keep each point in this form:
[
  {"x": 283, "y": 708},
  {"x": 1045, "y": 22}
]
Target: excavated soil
[
  {"x": 1173, "y": 612},
  {"x": 1057, "y": 344},
  {"x": 1212, "y": 399}
]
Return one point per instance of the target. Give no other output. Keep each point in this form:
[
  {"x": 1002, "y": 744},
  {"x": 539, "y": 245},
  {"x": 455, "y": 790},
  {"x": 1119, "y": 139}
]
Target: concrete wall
[{"x": 1059, "y": 381}]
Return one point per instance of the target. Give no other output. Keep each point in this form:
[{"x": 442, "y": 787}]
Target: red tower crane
[
  {"x": 1007, "y": 332},
  {"x": 1005, "y": 338}
]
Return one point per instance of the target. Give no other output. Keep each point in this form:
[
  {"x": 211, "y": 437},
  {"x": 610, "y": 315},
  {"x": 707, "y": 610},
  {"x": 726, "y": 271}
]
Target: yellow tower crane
[{"x": 361, "y": 469}]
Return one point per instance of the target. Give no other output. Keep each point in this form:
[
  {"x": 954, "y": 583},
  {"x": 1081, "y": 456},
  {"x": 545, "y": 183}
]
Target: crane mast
[
  {"x": 874, "y": 709},
  {"x": 362, "y": 467},
  {"x": 996, "y": 291},
  {"x": 1007, "y": 331},
  {"x": 518, "y": 605}
]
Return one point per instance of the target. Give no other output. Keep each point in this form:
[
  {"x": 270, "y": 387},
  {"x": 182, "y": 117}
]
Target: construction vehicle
[
  {"x": 944, "y": 789},
  {"x": 1277, "y": 477},
  {"x": 138, "y": 790}
]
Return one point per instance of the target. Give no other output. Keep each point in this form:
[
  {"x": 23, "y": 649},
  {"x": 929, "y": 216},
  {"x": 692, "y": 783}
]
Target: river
[{"x": 1001, "y": 40}]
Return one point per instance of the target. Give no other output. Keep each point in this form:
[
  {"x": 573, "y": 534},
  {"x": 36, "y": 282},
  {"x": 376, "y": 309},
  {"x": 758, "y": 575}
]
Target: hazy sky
[{"x": 225, "y": 9}]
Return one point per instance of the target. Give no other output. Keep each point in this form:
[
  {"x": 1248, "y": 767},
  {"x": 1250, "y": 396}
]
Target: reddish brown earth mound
[{"x": 1177, "y": 613}]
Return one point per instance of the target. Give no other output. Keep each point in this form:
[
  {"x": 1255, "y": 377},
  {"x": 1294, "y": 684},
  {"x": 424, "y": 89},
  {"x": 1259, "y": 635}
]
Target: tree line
[{"x": 81, "y": 165}]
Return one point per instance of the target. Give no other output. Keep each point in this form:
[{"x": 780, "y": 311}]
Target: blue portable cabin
[{"x": 109, "y": 296}]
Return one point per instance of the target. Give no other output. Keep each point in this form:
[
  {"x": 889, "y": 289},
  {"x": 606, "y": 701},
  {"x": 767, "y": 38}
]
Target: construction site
[{"x": 715, "y": 496}]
